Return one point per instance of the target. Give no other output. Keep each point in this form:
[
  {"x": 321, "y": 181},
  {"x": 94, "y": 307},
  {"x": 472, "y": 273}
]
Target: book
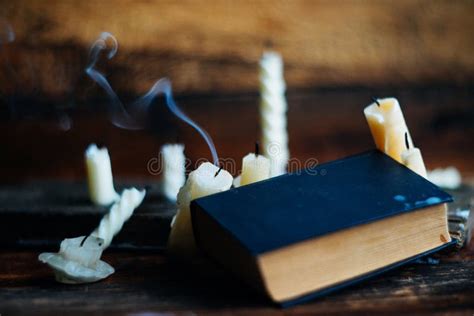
[{"x": 300, "y": 235}]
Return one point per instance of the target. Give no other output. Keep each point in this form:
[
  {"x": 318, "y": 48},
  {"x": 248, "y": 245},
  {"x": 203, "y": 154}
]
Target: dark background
[{"x": 337, "y": 55}]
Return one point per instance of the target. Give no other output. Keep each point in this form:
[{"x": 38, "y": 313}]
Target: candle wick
[
  {"x": 376, "y": 101},
  {"x": 218, "y": 172},
  {"x": 407, "y": 144},
  {"x": 83, "y": 240},
  {"x": 257, "y": 149}
]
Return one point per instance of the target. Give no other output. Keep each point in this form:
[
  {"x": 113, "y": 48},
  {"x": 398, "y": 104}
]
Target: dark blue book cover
[{"x": 292, "y": 208}]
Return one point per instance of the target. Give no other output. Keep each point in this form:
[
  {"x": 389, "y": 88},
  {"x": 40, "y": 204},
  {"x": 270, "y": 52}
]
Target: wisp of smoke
[
  {"x": 119, "y": 116},
  {"x": 164, "y": 86},
  {"x": 134, "y": 116}
]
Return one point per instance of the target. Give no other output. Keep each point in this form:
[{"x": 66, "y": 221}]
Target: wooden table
[{"x": 148, "y": 282}]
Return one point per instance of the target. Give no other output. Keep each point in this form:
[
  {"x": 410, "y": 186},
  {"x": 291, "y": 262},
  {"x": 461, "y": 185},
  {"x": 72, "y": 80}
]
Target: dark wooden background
[{"x": 337, "y": 55}]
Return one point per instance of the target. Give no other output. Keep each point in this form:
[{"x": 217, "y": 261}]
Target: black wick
[
  {"x": 376, "y": 101},
  {"x": 217, "y": 172},
  {"x": 257, "y": 149},
  {"x": 84, "y": 240},
  {"x": 407, "y": 144}
]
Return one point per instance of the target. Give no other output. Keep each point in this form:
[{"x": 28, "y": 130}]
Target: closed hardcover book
[{"x": 300, "y": 235}]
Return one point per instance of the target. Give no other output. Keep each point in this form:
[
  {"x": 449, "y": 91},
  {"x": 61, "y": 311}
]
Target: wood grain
[
  {"x": 325, "y": 124},
  {"x": 39, "y": 215},
  {"x": 150, "y": 283},
  {"x": 214, "y": 46}
]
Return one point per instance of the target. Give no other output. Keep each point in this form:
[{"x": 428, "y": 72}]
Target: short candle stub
[
  {"x": 84, "y": 240},
  {"x": 376, "y": 101},
  {"x": 407, "y": 143}
]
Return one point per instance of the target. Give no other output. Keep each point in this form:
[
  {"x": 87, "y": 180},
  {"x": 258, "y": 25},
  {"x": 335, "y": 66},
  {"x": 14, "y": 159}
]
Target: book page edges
[{"x": 383, "y": 243}]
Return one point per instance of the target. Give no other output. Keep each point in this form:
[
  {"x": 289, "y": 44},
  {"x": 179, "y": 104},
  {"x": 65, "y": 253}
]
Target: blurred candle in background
[
  {"x": 205, "y": 180},
  {"x": 388, "y": 127},
  {"x": 174, "y": 169},
  {"x": 99, "y": 176},
  {"x": 273, "y": 109}
]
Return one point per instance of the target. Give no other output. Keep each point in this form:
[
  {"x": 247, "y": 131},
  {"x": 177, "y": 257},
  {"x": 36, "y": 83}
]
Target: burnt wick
[
  {"x": 84, "y": 240},
  {"x": 407, "y": 144},
  {"x": 257, "y": 149},
  {"x": 217, "y": 172},
  {"x": 376, "y": 101}
]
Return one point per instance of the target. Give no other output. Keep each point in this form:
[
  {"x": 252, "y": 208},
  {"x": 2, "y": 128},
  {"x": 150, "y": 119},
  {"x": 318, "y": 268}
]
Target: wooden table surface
[
  {"x": 147, "y": 282},
  {"x": 150, "y": 284}
]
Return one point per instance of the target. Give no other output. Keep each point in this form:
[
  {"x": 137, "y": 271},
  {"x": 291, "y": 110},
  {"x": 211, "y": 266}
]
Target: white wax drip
[
  {"x": 174, "y": 169},
  {"x": 273, "y": 109},
  {"x": 119, "y": 213}
]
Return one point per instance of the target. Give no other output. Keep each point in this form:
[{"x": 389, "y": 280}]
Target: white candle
[
  {"x": 78, "y": 260},
  {"x": 254, "y": 168},
  {"x": 118, "y": 214},
  {"x": 174, "y": 169},
  {"x": 85, "y": 250},
  {"x": 411, "y": 157},
  {"x": 388, "y": 127},
  {"x": 99, "y": 176},
  {"x": 273, "y": 109},
  {"x": 448, "y": 178},
  {"x": 205, "y": 180}
]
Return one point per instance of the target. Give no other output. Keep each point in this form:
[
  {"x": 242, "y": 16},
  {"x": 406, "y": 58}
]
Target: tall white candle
[
  {"x": 99, "y": 176},
  {"x": 118, "y": 214},
  {"x": 205, "y": 180},
  {"x": 388, "y": 127},
  {"x": 273, "y": 109},
  {"x": 174, "y": 169}
]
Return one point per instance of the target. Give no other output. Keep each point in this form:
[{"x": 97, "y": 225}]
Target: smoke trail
[
  {"x": 164, "y": 86},
  {"x": 119, "y": 115},
  {"x": 134, "y": 116}
]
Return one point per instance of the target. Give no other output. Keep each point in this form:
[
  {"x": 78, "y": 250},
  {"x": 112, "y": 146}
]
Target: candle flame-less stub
[
  {"x": 205, "y": 180},
  {"x": 412, "y": 159},
  {"x": 118, "y": 214},
  {"x": 388, "y": 127},
  {"x": 174, "y": 169},
  {"x": 254, "y": 168},
  {"x": 78, "y": 261},
  {"x": 99, "y": 176},
  {"x": 273, "y": 109}
]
